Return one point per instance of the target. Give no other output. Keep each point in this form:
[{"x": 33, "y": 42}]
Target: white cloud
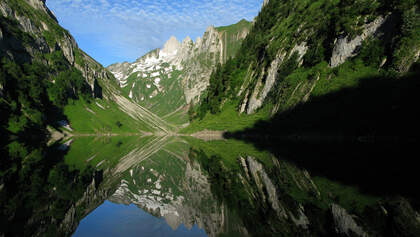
[{"x": 128, "y": 29}]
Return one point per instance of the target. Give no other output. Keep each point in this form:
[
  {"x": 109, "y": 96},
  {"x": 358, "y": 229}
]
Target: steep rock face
[
  {"x": 171, "y": 46},
  {"x": 262, "y": 89},
  {"x": 38, "y": 29},
  {"x": 40, "y": 5},
  {"x": 344, "y": 222},
  {"x": 188, "y": 63},
  {"x": 272, "y": 75},
  {"x": 205, "y": 55},
  {"x": 345, "y": 47},
  {"x": 257, "y": 99}
]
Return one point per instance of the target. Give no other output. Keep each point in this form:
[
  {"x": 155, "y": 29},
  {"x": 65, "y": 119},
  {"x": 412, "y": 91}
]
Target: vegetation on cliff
[{"x": 301, "y": 36}]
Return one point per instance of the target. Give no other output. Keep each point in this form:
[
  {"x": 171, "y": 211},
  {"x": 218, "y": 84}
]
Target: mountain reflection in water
[{"x": 182, "y": 186}]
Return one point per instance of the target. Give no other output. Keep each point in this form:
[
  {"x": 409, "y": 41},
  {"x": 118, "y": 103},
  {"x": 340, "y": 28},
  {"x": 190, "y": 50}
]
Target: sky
[{"x": 123, "y": 30}]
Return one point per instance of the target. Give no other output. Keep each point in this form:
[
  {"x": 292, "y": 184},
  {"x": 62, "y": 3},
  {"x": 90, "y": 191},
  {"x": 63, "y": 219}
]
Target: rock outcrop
[
  {"x": 194, "y": 61},
  {"x": 262, "y": 89},
  {"x": 345, "y": 47},
  {"x": 344, "y": 222},
  {"x": 38, "y": 29},
  {"x": 171, "y": 46}
]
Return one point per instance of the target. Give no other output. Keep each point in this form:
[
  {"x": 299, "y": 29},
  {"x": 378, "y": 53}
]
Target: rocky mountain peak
[
  {"x": 40, "y": 5},
  {"x": 171, "y": 46},
  {"x": 195, "y": 60},
  {"x": 210, "y": 29},
  {"x": 198, "y": 40},
  {"x": 187, "y": 40}
]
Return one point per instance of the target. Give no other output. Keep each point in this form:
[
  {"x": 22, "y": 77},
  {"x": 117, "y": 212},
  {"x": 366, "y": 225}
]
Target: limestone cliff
[
  {"x": 45, "y": 36},
  {"x": 344, "y": 49},
  {"x": 293, "y": 52},
  {"x": 189, "y": 63}
]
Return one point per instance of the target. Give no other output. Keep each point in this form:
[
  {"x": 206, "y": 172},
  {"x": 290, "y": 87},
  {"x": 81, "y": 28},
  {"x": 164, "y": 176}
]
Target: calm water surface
[{"x": 178, "y": 186}]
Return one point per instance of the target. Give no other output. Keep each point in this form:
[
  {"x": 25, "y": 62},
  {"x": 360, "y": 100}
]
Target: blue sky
[{"x": 123, "y": 30}]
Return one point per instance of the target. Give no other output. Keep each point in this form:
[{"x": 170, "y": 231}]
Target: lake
[{"x": 183, "y": 186}]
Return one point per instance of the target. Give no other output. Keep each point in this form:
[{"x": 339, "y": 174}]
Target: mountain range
[{"x": 315, "y": 75}]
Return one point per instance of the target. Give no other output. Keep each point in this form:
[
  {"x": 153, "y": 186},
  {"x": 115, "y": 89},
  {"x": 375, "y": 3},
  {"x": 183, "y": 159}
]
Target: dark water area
[{"x": 181, "y": 186}]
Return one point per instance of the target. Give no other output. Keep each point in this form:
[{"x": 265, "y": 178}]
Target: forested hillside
[{"x": 300, "y": 50}]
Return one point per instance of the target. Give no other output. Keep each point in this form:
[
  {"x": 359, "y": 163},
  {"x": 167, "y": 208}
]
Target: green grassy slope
[
  {"x": 161, "y": 98},
  {"x": 92, "y": 151},
  {"x": 91, "y": 118},
  {"x": 227, "y": 120}
]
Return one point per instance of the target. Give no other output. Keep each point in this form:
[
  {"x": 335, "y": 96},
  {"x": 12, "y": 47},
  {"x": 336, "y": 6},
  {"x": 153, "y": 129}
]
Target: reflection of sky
[{"x": 111, "y": 219}]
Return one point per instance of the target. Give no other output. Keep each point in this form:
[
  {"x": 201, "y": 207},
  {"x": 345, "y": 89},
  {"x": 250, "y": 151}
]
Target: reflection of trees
[{"x": 37, "y": 189}]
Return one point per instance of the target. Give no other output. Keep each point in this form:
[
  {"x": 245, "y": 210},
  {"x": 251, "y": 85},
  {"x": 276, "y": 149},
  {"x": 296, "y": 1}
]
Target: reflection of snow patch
[
  {"x": 65, "y": 145},
  {"x": 148, "y": 86},
  {"x": 89, "y": 110},
  {"x": 155, "y": 74},
  {"x": 150, "y": 96},
  {"x": 99, "y": 105},
  {"x": 65, "y": 124},
  {"x": 157, "y": 80}
]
